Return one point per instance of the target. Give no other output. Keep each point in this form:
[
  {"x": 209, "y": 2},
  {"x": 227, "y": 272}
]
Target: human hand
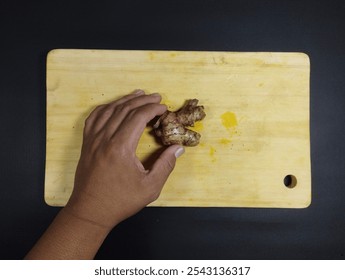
[{"x": 111, "y": 183}]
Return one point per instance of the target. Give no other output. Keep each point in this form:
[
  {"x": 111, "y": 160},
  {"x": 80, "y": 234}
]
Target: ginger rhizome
[{"x": 171, "y": 126}]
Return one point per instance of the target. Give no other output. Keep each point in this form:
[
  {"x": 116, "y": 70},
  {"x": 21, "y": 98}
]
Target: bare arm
[{"x": 111, "y": 183}]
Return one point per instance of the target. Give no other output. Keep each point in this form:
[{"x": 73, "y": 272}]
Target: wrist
[
  {"x": 69, "y": 237},
  {"x": 85, "y": 236},
  {"x": 83, "y": 222},
  {"x": 91, "y": 210}
]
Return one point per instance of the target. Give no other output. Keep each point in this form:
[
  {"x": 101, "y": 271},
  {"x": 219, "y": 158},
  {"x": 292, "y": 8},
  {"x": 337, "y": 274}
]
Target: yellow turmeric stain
[
  {"x": 151, "y": 55},
  {"x": 213, "y": 157},
  {"x": 212, "y": 151},
  {"x": 202, "y": 144},
  {"x": 224, "y": 141},
  {"x": 198, "y": 126},
  {"x": 229, "y": 120}
]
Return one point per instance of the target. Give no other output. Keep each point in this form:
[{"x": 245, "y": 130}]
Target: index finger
[{"x": 133, "y": 126}]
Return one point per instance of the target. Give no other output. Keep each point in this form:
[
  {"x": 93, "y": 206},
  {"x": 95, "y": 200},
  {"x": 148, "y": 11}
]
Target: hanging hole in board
[{"x": 290, "y": 181}]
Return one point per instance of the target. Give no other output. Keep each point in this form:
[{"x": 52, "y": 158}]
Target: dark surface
[{"x": 29, "y": 29}]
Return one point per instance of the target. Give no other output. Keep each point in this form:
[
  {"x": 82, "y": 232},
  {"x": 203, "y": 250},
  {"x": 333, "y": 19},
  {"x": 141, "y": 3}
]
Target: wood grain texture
[{"x": 255, "y": 133}]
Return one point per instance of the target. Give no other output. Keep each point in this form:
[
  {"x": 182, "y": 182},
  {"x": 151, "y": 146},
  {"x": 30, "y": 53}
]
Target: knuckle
[
  {"x": 123, "y": 109},
  {"x": 88, "y": 120},
  {"x": 107, "y": 113},
  {"x": 98, "y": 109},
  {"x": 94, "y": 114},
  {"x": 88, "y": 125}
]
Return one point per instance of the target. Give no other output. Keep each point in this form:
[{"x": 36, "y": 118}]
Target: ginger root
[{"x": 171, "y": 126}]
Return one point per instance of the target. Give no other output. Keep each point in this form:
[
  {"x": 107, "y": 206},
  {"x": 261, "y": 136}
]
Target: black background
[{"x": 29, "y": 29}]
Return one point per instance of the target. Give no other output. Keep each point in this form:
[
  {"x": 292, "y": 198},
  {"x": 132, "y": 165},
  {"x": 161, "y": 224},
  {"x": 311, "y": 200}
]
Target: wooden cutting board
[{"x": 255, "y": 138}]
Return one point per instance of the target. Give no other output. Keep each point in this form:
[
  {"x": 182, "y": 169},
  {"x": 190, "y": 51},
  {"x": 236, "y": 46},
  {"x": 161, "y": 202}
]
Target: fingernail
[
  {"x": 179, "y": 152},
  {"x": 138, "y": 92}
]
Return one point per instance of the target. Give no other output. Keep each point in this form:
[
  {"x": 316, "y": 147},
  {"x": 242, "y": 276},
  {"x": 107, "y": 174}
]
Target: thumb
[{"x": 165, "y": 164}]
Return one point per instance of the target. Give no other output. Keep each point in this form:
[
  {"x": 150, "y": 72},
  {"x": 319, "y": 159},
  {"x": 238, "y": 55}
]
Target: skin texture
[
  {"x": 111, "y": 183},
  {"x": 171, "y": 126}
]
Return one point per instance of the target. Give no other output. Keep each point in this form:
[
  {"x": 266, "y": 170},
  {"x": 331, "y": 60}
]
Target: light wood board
[{"x": 255, "y": 133}]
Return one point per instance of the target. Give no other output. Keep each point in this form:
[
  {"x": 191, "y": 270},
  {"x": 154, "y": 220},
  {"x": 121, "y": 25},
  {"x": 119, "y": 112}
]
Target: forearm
[{"x": 69, "y": 237}]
